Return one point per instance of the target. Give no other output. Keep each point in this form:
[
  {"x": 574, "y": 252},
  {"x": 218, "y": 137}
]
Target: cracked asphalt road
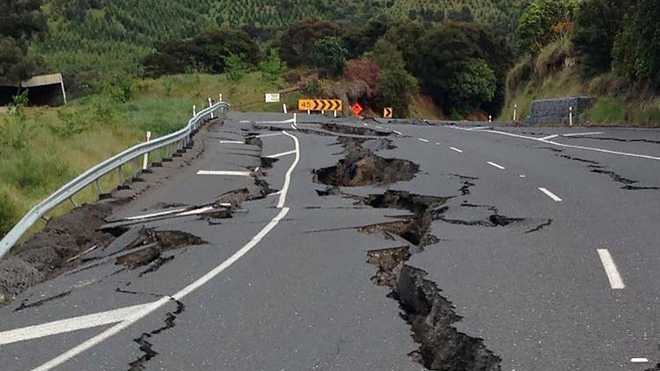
[{"x": 552, "y": 264}]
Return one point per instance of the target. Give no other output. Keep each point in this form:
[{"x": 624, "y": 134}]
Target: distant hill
[{"x": 92, "y": 36}]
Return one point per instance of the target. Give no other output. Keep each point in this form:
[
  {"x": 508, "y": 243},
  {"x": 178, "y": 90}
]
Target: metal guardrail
[{"x": 182, "y": 137}]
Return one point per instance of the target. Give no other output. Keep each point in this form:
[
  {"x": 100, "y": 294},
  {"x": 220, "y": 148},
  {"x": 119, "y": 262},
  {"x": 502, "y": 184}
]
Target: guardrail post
[
  {"x": 99, "y": 191},
  {"x": 145, "y": 160},
  {"x": 211, "y": 105}
]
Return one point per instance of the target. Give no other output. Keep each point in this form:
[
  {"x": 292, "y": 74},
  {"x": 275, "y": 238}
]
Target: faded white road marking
[
  {"x": 550, "y": 194},
  {"x": 276, "y": 122},
  {"x": 572, "y": 146},
  {"x": 478, "y": 128},
  {"x": 496, "y": 165},
  {"x": 69, "y": 325},
  {"x": 231, "y": 142},
  {"x": 278, "y": 155},
  {"x": 456, "y": 149},
  {"x": 423, "y": 140},
  {"x": 269, "y": 135},
  {"x": 523, "y": 176},
  {"x": 150, "y": 308},
  {"x": 616, "y": 282},
  {"x": 639, "y": 360},
  {"x": 582, "y": 134},
  {"x": 550, "y": 137},
  {"x": 397, "y": 132},
  {"x": 153, "y": 215},
  {"x": 230, "y": 173},
  {"x": 245, "y": 121}
]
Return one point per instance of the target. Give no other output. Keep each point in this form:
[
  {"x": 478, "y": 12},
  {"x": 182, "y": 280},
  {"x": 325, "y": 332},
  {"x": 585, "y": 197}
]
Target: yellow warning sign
[
  {"x": 388, "y": 112},
  {"x": 319, "y": 105}
]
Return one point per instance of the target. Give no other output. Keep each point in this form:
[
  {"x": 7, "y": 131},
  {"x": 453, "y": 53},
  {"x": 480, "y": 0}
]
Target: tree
[
  {"x": 299, "y": 39},
  {"x": 472, "y": 84},
  {"x": 271, "y": 67},
  {"x": 535, "y": 26},
  {"x": 396, "y": 86},
  {"x": 448, "y": 60},
  {"x": 637, "y": 47},
  {"x": 236, "y": 66},
  {"x": 20, "y": 23},
  {"x": 329, "y": 55},
  {"x": 598, "y": 22}
]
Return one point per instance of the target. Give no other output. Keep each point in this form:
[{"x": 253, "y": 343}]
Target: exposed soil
[
  {"x": 361, "y": 167},
  {"x": 353, "y": 130},
  {"x": 44, "y": 255},
  {"x": 150, "y": 246},
  {"x": 430, "y": 316}
]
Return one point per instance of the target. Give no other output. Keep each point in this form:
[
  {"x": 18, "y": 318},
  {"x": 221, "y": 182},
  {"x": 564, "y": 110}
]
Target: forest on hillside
[{"x": 459, "y": 52}]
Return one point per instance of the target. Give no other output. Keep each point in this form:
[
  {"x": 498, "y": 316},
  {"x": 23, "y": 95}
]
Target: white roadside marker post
[
  {"x": 211, "y": 105},
  {"x": 335, "y": 113},
  {"x": 570, "y": 116},
  {"x": 490, "y": 118},
  {"x": 145, "y": 160},
  {"x": 194, "y": 110},
  {"x": 284, "y": 108},
  {"x": 515, "y": 112}
]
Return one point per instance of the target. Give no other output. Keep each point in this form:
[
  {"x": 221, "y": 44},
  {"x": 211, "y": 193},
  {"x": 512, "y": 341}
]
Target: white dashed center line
[
  {"x": 639, "y": 360},
  {"x": 423, "y": 140},
  {"x": 496, "y": 165},
  {"x": 616, "y": 282},
  {"x": 551, "y": 195},
  {"x": 456, "y": 149}
]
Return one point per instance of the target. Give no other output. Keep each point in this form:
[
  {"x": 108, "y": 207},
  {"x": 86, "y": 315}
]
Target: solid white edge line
[
  {"x": 230, "y": 173},
  {"x": 149, "y": 308},
  {"x": 68, "y": 325},
  {"x": 574, "y": 147},
  {"x": 553, "y": 196},
  {"x": 287, "y": 177},
  {"x": 616, "y": 282},
  {"x": 456, "y": 149},
  {"x": 478, "y": 128},
  {"x": 639, "y": 360},
  {"x": 423, "y": 140},
  {"x": 550, "y": 137},
  {"x": 278, "y": 155},
  {"x": 496, "y": 165}
]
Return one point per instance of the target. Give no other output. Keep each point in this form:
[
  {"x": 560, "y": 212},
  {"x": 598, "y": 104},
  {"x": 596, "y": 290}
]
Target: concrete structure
[
  {"x": 43, "y": 90},
  {"x": 557, "y": 111}
]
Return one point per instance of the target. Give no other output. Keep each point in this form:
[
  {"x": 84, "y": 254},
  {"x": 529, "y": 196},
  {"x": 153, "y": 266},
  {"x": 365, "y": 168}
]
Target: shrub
[
  {"x": 236, "y": 66},
  {"x": 271, "y": 67},
  {"x": 8, "y": 213}
]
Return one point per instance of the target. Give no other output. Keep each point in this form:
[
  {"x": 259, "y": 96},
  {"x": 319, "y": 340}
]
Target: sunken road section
[{"x": 430, "y": 315}]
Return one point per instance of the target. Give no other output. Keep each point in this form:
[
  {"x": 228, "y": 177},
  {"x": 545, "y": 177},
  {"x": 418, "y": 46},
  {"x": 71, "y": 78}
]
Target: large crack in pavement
[
  {"x": 362, "y": 167},
  {"x": 596, "y": 168},
  {"x": 430, "y": 315},
  {"x": 146, "y": 346}
]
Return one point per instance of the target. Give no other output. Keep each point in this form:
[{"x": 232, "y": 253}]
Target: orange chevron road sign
[{"x": 319, "y": 105}]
